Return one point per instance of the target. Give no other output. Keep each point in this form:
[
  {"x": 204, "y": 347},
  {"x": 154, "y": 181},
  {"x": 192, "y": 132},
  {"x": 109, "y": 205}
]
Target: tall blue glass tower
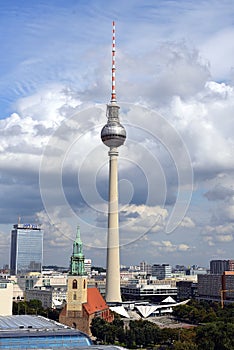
[{"x": 26, "y": 249}]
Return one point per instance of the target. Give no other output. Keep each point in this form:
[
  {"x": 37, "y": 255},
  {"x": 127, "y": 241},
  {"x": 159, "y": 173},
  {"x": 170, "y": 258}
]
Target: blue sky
[{"x": 174, "y": 82}]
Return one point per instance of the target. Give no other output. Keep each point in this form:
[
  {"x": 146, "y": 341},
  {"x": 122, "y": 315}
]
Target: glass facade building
[{"x": 26, "y": 249}]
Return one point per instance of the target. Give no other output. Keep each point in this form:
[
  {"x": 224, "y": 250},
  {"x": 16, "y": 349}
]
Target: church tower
[{"x": 77, "y": 279}]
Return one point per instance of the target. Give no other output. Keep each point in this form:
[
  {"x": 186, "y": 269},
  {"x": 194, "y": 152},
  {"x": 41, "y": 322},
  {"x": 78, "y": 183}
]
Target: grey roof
[
  {"x": 27, "y": 321},
  {"x": 21, "y": 326},
  {"x": 18, "y": 325}
]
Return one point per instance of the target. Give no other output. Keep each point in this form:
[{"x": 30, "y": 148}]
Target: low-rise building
[
  {"x": 153, "y": 292},
  {"x": 6, "y": 295},
  {"x": 37, "y": 332}
]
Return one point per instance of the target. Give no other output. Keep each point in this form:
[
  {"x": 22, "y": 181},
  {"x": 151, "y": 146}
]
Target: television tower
[{"x": 113, "y": 135}]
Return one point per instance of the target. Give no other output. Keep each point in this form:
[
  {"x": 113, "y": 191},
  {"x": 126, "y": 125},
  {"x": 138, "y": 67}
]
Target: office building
[
  {"x": 218, "y": 266},
  {"x": 186, "y": 290},
  {"x": 145, "y": 267},
  {"x": 26, "y": 249},
  {"x": 161, "y": 271},
  {"x": 230, "y": 265},
  {"x": 87, "y": 266},
  {"x": 216, "y": 287}
]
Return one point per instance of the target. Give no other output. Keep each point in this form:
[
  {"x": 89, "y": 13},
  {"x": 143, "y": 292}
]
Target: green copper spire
[{"x": 77, "y": 258}]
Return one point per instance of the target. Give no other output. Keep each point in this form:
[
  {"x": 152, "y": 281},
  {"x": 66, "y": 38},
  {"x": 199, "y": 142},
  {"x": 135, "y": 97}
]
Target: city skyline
[{"x": 174, "y": 79}]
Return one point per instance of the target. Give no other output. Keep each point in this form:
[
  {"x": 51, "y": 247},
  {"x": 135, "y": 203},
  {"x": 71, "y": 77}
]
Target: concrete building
[
  {"x": 26, "y": 249},
  {"x": 216, "y": 287},
  {"x": 50, "y": 297},
  {"x": 218, "y": 266},
  {"x": 161, "y": 271},
  {"x": 227, "y": 293},
  {"x": 87, "y": 266},
  {"x": 186, "y": 290},
  {"x": 53, "y": 281},
  {"x": 113, "y": 136},
  {"x": 145, "y": 267},
  {"x": 6, "y": 296},
  {"x": 146, "y": 291}
]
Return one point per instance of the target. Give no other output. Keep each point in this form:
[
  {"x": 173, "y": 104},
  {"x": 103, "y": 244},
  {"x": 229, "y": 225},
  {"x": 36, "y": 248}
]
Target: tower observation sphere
[{"x": 113, "y": 134}]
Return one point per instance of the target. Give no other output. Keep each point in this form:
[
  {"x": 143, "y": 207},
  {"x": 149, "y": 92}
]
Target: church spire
[{"x": 77, "y": 258}]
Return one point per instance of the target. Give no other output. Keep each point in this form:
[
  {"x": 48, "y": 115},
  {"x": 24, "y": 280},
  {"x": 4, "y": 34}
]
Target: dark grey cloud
[{"x": 219, "y": 192}]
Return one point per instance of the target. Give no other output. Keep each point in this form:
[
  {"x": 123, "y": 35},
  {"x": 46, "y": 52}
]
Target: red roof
[{"x": 95, "y": 301}]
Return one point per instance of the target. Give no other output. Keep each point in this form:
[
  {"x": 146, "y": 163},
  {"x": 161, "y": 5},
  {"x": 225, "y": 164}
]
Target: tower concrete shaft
[{"x": 113, "y": 267}]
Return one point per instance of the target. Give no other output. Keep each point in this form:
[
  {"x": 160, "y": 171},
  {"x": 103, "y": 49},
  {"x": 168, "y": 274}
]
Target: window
[{"x": 74, "y": 284}]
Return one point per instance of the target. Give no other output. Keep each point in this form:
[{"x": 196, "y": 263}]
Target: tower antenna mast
[{"x": 113, "y": 93}]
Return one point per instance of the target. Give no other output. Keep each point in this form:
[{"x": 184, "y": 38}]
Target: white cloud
[
  {"x": 169, "y": 247},
  {"x": 187, "y": 222},
  {"x": 214, "y": 235}
]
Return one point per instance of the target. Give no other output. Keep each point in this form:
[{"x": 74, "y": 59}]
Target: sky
[{"x": 174, "y": 85}]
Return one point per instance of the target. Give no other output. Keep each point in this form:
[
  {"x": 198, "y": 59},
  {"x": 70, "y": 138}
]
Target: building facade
[
  {"x": 218, "y": 266},
  {"x": 161, "y": 271},
  {"x": 83, "y": 303},
  {"x": 186, "y": 290},
  {"x": 145, "y": 267},
  {"x": 26, "y": 249},
  {"x": 216, "y": 287},
  {"x": 6, "y": 295},
  {"x": 146, "y": 291}
]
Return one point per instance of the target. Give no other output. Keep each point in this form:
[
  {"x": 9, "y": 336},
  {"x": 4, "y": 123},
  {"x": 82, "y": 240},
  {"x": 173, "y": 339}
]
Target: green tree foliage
[
  {"x": 138, "y": 334},
  {"x": 204, "y": 312},
  {"x": 215, "y": 336},
  {"x": 178, "y": 345},
  {"x": 215, "y": 330},
  {"x": 34, "y": 307}
]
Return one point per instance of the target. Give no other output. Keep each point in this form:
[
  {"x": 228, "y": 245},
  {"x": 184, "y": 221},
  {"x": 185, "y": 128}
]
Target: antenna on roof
[{"x": 113, "y": 93}]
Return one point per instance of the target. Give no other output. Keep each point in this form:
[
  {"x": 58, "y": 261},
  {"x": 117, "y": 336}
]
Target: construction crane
[{"x": 222, "y": 291}]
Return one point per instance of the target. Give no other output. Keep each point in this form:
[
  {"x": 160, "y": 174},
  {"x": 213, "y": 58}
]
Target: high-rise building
[
  {"x": 216, "y": 287},
  {"x": 218, "y": 266},
  {"x": 145, "y": 267},
  {"x": 230, "y": 265},
  {"x": 87, "y": 266},
  {"x": 113, "y": 135},
  {"x": 26, "y": 249},
  {"x": 161, "y": 271}
]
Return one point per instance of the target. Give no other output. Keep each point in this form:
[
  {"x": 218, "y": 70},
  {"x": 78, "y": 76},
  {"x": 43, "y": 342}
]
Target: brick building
[{"x": 83, "y": 303}]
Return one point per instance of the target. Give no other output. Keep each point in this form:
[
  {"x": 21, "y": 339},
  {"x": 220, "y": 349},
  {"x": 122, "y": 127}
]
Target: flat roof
[
  {"x": 34, "y": 325},
  {"x": 37, "y": 332}
]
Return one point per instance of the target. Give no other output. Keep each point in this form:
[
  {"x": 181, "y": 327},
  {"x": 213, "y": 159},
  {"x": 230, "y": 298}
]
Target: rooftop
[{"x": 27, "y": 332}]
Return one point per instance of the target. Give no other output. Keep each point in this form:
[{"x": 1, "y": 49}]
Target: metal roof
[
  {"x": 27, "y": 321},
  {"x": 34, "y": 326}
]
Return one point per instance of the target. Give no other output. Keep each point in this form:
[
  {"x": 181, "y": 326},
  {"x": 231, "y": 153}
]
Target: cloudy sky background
[{"x": 175, "y": 88}]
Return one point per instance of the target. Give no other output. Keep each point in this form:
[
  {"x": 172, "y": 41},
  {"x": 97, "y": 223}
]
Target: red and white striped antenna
[{"x": 113, "y": 93}]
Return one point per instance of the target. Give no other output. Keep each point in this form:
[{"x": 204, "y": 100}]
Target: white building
[{"x": 6, "y": 295}]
